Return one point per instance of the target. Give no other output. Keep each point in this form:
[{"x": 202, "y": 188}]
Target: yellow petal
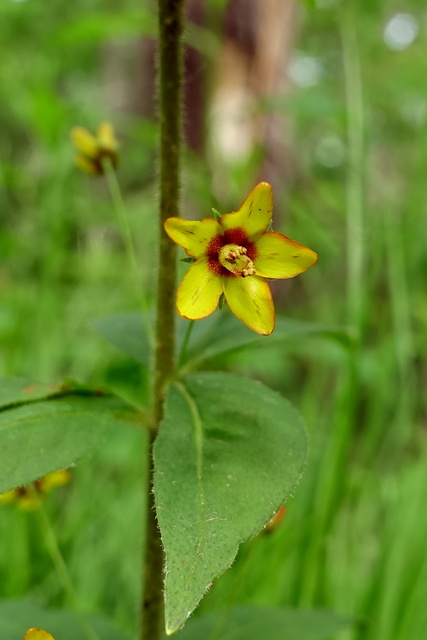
[
  {"x": 254, "y": 216},
  {"x": 85, "y": 142},
  {"x": 106, "y": 137},
  {"x": 280, "y": 257},
  {"x": 199, "y": 292},
  {"x": 38, "y": 634},
  {"x": 86, "y": 165},
  {"x": 52, "y": 480},
  {"x": 250, "y": 300},
  {"x": 9, "y": 497},
  {"x": 193, "y": 236},
  {"x": 30, "y": 501}
]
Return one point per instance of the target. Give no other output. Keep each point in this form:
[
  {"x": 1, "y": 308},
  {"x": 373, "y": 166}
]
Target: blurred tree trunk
[{"x": 258, "y": 39}]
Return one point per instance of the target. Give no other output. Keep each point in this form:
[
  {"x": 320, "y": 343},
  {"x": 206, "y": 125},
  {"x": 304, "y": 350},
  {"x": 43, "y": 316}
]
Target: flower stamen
[{"x": 233, "y": 257}]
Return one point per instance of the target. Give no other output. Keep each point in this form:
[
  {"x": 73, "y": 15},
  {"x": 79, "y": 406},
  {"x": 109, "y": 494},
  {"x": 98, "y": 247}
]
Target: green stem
[
  {"x": 119, "y": 207},
  {"x": 183, "y": 351},
  {"x": 356, "y": 166},
  {"x": 170, "y": 91},
  {"x": 62, "y": 570}
]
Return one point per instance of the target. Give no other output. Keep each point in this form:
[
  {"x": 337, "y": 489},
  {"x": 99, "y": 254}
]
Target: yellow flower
[
  {"x": 30, "y": 497},
  {"x": 38, "y": 634},
  {"x": 233, "y": 256},
  {"x": 93, "y": 149}
]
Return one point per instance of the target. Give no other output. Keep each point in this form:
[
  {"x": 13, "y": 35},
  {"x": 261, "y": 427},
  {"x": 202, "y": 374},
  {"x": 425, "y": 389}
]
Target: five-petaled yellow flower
[
  {"x": 234, "y": 256},
  {"x": 93, "y": 149},
  {"x": 38, "y": 634}
]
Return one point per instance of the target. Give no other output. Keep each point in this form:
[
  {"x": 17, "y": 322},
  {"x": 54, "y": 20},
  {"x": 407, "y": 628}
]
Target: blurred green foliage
[{"x": 353, "y": 539}]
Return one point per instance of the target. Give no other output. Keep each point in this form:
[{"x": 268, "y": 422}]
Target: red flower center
[{"x": 232, "y": 236}]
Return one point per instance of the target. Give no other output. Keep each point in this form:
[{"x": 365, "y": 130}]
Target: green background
[{"x": 353, "y": 539}]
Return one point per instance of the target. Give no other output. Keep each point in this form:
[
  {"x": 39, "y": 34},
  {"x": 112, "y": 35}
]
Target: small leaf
[
  {"x": 126, "y": 331},
  {"x": 228, "y": 454},
  {"x": 226, "y": 335},
  {"x": 217, "y": 335},
  {"x": 216, "y": 214},
  {"x": 16, "y": 616},
  {"x": 254, "y": 623},
  {"x": 41, "y": 436}
]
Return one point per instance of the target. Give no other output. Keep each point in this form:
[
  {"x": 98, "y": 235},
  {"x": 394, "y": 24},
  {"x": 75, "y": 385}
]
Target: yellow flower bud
[
  {"x": 38, "y": 634},
  {"x": 93, "y": 150}
]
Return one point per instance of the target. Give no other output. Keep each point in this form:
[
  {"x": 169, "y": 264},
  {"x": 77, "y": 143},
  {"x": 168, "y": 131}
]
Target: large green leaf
[
  {"x": 256, "y": 623},
  {"x": 228, "y": 454},
  {"x": 17, "y": 616},
  {"x": 43, "y": 435}
]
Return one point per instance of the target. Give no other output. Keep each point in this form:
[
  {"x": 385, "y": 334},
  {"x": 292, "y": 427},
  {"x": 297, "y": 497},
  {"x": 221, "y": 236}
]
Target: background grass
[{"x": 354, "y": 537}]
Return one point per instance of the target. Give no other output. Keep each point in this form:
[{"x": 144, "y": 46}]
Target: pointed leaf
[
  {"x": 226, "y": 336},
  {"x": 228, "y": 454},
  {"x": 126, "y": 332}
]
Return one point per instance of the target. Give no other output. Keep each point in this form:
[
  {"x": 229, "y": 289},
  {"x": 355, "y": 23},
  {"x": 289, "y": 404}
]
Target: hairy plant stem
[{"x": 170, "y": 89}]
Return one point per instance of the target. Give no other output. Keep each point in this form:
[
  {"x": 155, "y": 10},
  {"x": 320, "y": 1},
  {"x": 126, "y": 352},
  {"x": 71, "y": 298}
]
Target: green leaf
[
  {"x": 15, "y": 391},
  {"x": 228, "y": 454},
  {"x": 256, "y": 623},
  {"x": 48, "y": 434},
  {"x": 17, "y": 616},
  {"x": 126, "y": 332},
  {"x": 218, "y": 335},
  {"x": 227, "y": 335}
]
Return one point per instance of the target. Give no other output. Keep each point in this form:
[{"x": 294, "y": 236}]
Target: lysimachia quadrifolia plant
[
  {"x": 224, "y": 439},
  {"x": 222, "y": 452}
]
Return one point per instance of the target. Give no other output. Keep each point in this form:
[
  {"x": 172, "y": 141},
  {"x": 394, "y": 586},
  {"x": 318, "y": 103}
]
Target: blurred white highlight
[
  {"x": 305, "y": 70},
  {"x": 401, "y": 31}
]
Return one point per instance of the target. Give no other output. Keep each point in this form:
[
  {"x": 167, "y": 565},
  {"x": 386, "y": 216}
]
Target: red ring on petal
[
  {"x": 215, "y": 246},
  {"x": 236, "y": 236}
]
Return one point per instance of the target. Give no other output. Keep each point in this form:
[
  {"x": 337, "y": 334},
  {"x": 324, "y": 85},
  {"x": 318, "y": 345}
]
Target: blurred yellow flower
[
  {"x": 30, "y": 497},
  {"x": 38, "y": 634},
  {"x": 233, "y": 256},
  {"x": 93, "y": 149}
]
